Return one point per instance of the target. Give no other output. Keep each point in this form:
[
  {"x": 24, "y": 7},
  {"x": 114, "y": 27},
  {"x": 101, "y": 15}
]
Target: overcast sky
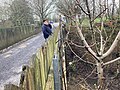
[{"x": 2, "y": 1}]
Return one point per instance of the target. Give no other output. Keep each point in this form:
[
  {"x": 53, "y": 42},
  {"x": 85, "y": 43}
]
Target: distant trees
[
  {"x": 23, "y": 11},
  {"x": 4, "y": 14},
  {"x": 42, "y": 8},
  {"x": 17, "y": 11},
  {"x": 20, "y": 12}
]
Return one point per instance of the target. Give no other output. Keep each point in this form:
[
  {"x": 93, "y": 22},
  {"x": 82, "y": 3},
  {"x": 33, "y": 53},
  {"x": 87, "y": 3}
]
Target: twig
[
  {"x": 78, "y": 56},
  {"x": 99, "y": 14},
  {"x": 79, "y": 45}
]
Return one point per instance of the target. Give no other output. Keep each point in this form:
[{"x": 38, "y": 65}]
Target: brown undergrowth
[{"x": 83, "y": 76}]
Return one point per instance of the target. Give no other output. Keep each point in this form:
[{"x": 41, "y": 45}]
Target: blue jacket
[{"x": 46, "y": 31}]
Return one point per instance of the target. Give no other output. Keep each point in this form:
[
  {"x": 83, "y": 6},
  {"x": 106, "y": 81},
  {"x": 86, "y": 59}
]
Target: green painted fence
[
  {"x": 39, "y": 75},
  {"x": 10, "y": 36}
]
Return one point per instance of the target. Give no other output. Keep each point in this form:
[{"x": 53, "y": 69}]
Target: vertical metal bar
[{"x": 57, "y": 85}]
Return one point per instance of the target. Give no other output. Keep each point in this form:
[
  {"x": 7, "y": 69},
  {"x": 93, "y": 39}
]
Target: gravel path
[{"x": 11, "y": 61}]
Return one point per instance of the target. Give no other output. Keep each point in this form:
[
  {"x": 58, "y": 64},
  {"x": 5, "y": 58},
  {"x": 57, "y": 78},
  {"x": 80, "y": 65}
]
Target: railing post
[{"x": 57, "y": 85}]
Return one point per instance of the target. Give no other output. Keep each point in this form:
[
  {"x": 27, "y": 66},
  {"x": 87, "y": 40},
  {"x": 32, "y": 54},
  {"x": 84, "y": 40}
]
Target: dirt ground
[{"x": 83, "y": 76}]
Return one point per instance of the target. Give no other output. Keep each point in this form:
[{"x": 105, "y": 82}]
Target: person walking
[{"x": 46, "y": 29}]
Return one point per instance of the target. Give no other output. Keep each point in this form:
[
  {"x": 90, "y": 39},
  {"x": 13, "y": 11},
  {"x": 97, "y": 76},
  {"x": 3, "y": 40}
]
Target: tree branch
[
  {"x": 86, "y": 44},
  {"x": 114, "y": 44},
  {"x": 99, "y": 14},
  {"x": 82, "y": 9},
  {"x": 111, "y": 61}
]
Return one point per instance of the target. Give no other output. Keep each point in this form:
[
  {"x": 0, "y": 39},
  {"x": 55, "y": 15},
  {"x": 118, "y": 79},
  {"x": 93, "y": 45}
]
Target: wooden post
[
  {"x": 64, "y": 68},
  {"x": 62, "y": 57}
]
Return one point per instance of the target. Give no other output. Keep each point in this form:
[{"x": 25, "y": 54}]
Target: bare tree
[
  {"x": 42, "y": 8},
  {"x": 102, "y": 51},
  {"x": 66, "y": 7},
  {"x": 19, "y": 12}
]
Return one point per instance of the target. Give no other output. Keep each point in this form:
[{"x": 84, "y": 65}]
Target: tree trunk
[
  {"x": 100, "y": 75},
  {"x": 119, "y": 9},
  {"x": 113, "y": 8},
  {"x": 108, "y": 10},
  {"x": 94, "y": 9},
  {"x": 100, "y": 6}
]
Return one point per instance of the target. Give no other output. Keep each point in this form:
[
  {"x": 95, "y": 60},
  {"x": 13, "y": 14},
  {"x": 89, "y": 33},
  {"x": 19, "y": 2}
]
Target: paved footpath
[{"x": 11, "y": 61}]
